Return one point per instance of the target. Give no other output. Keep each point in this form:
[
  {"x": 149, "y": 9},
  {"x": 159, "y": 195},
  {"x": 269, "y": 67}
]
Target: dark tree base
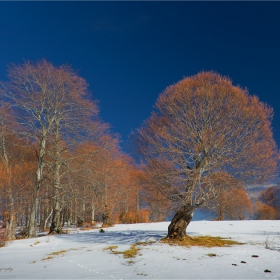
[
  {"x": 54, "y": 229},
  {"x": 179, "y": 223}
]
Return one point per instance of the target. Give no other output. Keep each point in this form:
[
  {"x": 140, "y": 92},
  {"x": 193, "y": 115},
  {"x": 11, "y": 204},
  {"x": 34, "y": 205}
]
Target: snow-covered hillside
[{"x": 81, "y": 255}]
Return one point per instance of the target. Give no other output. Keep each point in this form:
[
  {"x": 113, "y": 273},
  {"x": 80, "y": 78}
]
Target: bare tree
[
  {"x": 233, "y": 204},
  {"x": 52, "y": 108},
  {"x": 76, "y": 120},
  {"x": 205, "y": 128},
  {"x": 15, "y": 166}
]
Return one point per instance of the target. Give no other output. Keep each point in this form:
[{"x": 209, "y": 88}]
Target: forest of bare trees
[
  {"x": 61, "y": 165},
  {"x": 59, "y": 162}
]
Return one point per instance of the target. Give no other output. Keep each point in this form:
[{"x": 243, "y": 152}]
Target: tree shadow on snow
[{"x": 115, "y": 237}]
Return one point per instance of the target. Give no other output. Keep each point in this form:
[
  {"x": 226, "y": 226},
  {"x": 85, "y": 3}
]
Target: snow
[{"x": 85, "y": 258}]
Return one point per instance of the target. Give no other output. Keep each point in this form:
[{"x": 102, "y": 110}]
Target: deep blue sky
[{"x": 130, "y": 51}]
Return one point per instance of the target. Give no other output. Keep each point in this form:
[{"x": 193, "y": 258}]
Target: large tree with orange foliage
[{"x": 202, "y": 128}]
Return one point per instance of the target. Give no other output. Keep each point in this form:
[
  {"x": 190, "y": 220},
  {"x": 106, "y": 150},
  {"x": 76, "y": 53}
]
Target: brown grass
[
  {"x": 204, "y": 241},
  {"x": 211, "y": 255},
  {"x": 132, "y": 252},
  {"x": 58, "y": 252},
  {"x": 110, "y": 248},
  {"x": 47, "y": 258}
]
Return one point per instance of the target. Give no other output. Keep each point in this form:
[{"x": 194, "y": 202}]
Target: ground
[{"x": 85, "y": 254}]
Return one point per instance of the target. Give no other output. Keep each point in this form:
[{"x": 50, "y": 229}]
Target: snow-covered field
[{"x": 84, "y": 257}]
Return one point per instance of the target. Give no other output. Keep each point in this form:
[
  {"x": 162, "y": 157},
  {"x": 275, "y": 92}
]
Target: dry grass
[
  {"x": 110, "y": 248},
  {"x": 85, "y": 228},
  {"x": 107, "y": 226},
  {"x": 58, "y": 252},
  {"x": 132, "y": 252},
  {"x": 211, "y": 255},
  {"x": 47, "y": 258},
  {"x": 204, "y": 241}
]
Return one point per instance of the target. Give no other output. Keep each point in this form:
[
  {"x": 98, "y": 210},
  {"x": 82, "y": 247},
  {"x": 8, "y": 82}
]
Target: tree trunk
[
  {"x": 83, "y": 209},
  {"x": 11, "y": 222},
  {"x": 46, "y": 220},
  {"x": 56, "y": 218},
  {"x": 32, "y": 219},
  {"x": 31, "y": 225},
  {"x": 92, "y": 210},
  {"x": 179, "y": 223},
  {"x": 106, "y": 217}
]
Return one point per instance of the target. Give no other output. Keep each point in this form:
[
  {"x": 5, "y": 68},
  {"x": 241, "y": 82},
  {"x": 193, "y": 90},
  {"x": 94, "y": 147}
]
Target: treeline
[
  {"x": 238, "y": 204},
  {"x": 59, "y": 163}
]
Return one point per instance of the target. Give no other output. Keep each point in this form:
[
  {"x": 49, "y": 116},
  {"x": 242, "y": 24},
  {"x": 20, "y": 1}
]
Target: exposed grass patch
[
  {"x": 37, "y": 242},
  {"x": 110, "y": 248},
  {"x": 204, "y": 241},
  {"x": 211, "y": 255},
  {"x": 58, "y": 252},
  {"x": 47, "y": 258},
  {"x": 143, "y": 274},
  {"x": 132, "y": 252},
  {"x": 86, "y": 228},
  {"x": 53, "y": 254}
]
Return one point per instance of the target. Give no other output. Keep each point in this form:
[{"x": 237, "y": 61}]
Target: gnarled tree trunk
[{"x": 179, "y": 223}]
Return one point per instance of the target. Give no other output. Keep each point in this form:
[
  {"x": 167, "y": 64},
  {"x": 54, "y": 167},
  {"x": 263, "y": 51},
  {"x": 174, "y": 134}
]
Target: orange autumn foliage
[
  {"x": 232, "y": 204},
  {"x": 265, "y": 212},
  {"x": 131, "y": 217},
  {"x": 271, "y": 197}
]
